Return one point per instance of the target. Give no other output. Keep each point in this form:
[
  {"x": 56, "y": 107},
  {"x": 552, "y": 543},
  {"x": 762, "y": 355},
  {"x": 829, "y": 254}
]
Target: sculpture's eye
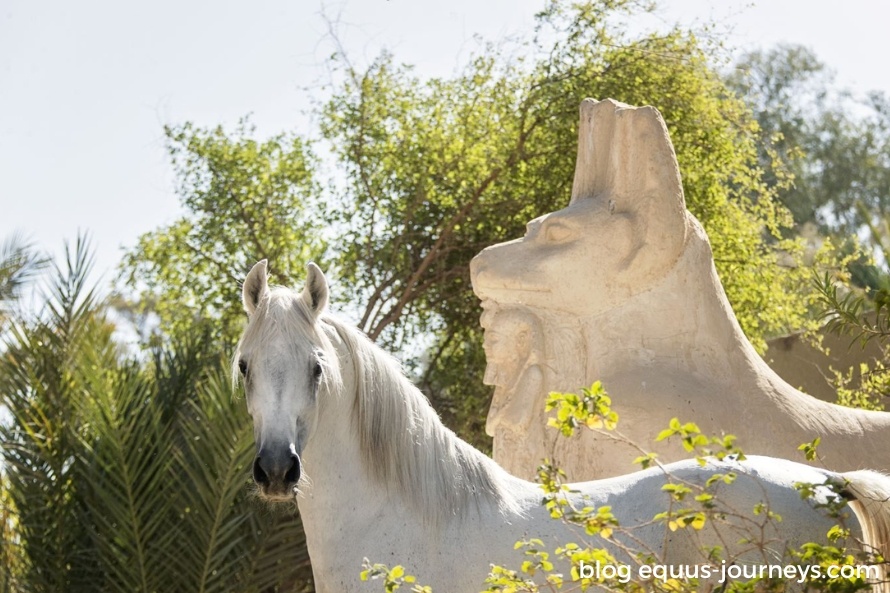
[
  {"x": 242, "y": 366},
  {"x": 557, "y": 233}
]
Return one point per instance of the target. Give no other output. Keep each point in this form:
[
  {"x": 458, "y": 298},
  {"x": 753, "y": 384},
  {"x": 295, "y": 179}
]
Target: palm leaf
[
  {"x": 213, "y": 459},
  {"x": 11, "y": 555},
  {"x": 41, "y": 378},
  {"x": 281, "y": 560},
  {"x": 126, "y": 469},
  {"x": 19, "y": 263}
]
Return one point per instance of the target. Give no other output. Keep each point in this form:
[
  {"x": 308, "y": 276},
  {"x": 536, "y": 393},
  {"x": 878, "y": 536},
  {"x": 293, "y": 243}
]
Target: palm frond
[
  {"x": 20, "y": 262},
  {"x": 126, "y": 469},
  {"x": 69, "y": 298},
  {"x": 213, "y": 460},
  {"x": 280, "y": 562},
  {"x": 12, "y": 558},
  {"x": 41, "y": 378},
  {"x": 851, "y": 313},
  {"x": 128, "y": 474}
]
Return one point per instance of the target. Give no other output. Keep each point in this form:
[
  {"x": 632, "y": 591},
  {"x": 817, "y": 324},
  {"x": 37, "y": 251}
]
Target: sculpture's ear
[
  {"x": 625, "y": 152},
  {"x": 626, "y": 159},
  {"x": 256, "y": 286},
  {"x": 315, "y": 294}
]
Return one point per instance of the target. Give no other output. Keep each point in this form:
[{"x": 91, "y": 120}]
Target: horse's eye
[
  {"x": 242, "y": 366},
  {"x": 316, "y": 372}
]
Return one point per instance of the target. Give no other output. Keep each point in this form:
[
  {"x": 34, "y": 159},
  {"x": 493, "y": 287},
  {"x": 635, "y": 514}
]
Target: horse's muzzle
[{"x": 277, "y": 473}]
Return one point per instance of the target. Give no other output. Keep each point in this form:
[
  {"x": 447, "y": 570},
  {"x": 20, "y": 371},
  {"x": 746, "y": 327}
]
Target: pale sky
[{"x": 86, "y": 87}]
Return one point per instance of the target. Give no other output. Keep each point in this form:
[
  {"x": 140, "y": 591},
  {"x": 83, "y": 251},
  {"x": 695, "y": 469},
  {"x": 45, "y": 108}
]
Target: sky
[{"x": 86, "y": 87}]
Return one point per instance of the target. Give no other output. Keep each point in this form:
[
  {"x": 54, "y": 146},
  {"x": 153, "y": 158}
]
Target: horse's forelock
[{"x": 283, "y": 313}]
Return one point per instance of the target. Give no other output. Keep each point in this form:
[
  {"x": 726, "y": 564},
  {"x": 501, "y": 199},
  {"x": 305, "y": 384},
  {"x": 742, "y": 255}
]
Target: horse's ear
[
  {"x": 256, "y": 286},
  {"x": 316, "y": 291}
]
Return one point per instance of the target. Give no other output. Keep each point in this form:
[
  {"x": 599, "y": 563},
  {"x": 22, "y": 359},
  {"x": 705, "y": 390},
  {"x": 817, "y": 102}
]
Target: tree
[
  {"x": 837, "y": 148},
  {"x": 836, "y": 145},
  {"x": 438, "y": 169},
  {"x": 128, "y": 474},
  {"x": 245, "y": 200},
  {"x": 863, "y": 316},
  {"x": 40, "y": 378}
]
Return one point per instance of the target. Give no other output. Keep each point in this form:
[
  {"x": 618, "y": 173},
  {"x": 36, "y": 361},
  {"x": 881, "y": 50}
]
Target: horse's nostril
[
  {"x": 293, "y": 473},
  {"x": 259, "y": 474}
]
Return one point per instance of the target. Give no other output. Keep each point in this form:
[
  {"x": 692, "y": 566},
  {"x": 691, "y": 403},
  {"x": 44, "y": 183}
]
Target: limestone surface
[{"x": 620, "y": 286}]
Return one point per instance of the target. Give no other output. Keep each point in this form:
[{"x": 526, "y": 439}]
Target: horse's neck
[
  {"x": 423, "y": 467},
  {"x": 339, "y": 494}
]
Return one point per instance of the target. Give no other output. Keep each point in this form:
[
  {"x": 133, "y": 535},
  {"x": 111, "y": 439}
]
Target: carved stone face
[
  {"x": 513, "y": 348},
  {"x": 561, "y": 261},
  {"x": 507, "y": 345}
]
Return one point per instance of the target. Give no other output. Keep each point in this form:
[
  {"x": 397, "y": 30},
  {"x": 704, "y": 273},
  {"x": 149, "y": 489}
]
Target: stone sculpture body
[{"x": 620, "y": 286}]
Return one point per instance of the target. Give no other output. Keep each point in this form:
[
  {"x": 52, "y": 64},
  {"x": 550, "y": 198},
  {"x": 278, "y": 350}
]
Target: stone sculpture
[{"x": 620, "y": 286}]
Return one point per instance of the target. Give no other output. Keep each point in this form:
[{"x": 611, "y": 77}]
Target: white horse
[{"x": 376, "y": 474}]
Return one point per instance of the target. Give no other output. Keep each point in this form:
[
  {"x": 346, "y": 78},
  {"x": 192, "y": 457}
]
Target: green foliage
[
  {"x": 19, "y": 263},
  {"x": 835, "y": 503},
  {"x": 42, "y": 376},
  {"x": 870, "y": 392},
  {"x": 703, "y": 446},
  {"x": 12, "y": 566},
  {"x": 126, "y": 474},
  {"x": 836, "y": 145},
  {"x": 437, "y": 169},
  {"x": 849, "y": 312},
  {"x": 245, "y": 200},
  {"x": 809, "y": 449},
  {"x": 592, "y": 408},
  {"x": 537, "y": 560},
  {"x": 392, "y": 578},
  {"x": 863, "y": 317},
  {"x": 836, "y": 148},
  {"x": 787, "y": 88}
]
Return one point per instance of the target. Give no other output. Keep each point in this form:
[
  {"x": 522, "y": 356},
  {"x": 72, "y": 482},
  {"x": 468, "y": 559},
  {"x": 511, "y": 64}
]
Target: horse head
[{"x": 281, "y": 360}]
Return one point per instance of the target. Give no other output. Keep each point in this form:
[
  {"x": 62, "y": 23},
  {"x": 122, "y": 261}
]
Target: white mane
[{"x": 406, "y": 446}]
